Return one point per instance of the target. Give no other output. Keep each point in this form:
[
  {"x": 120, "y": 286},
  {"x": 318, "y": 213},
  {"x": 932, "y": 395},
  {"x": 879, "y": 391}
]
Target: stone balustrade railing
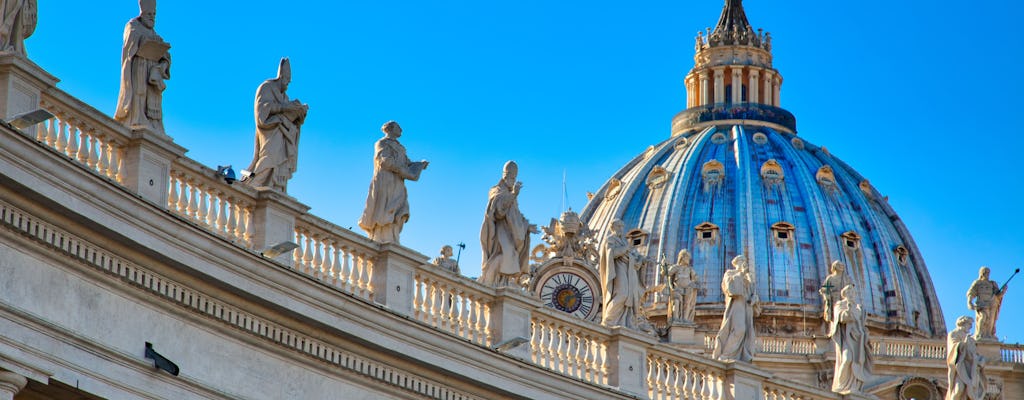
[
  {"x": 335, "y": 256},
  {"x": 1012, "y": 353},
  {"x": 197, "y": 194},
  {"x": 775, "y": 390},
  {"x": 909, "y": 348},
  {"x": 83, "y": 134},
  {"x": 569, "y": 346},
  {"x": 683, "y": 376},
  {"x": 453, "y": 304}
]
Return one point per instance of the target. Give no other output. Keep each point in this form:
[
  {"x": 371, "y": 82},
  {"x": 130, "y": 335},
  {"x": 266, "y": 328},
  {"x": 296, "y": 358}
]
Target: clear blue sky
[{"x": 921, "y": 97}]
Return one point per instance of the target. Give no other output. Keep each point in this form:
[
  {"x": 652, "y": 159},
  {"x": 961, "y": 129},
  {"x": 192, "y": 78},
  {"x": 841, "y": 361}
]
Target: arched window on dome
[
  {"x": 851, "y": 240},
  {"x": 713, "y": 173},
  {"x": 826, "y": 179},
  {"x": 637, "y": 237}
]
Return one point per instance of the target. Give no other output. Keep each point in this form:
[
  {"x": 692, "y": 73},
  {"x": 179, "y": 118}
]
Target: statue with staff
[{"x": 985, "y": 297}]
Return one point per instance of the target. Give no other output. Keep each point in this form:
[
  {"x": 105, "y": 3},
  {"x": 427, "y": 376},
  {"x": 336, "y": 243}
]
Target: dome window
[
  {"x": 918, "y": 388},
  {"x": 865, "y": 187},
  {"x": 783, "y": 234},
  {"x": 771, "y": 172},
  {"x": 657, "y": 178},
  {"x": 797, "y": 143},
  {"x": 851, "y": 240},
  {"x": 649, "y": 152},
  {"x": 719, "y": 138},
  {"x": 826, "y": 179},
  {"x": 707, "y": 233},
  {"x": 682, "y": 143},
  {"x": 902, "y": 255},
  {"x": 760, "y": 138},
  {"x": 614, "y": 187},
  {"x": 637, "y": 237},
  {"x": 713, "y": 173}
]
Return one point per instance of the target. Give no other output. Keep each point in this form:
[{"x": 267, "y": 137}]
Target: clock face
[{"x": 569, "y": 293}]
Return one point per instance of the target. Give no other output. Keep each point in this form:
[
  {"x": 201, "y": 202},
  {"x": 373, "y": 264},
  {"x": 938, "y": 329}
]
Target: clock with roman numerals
[{"x": 570, "y": 293}]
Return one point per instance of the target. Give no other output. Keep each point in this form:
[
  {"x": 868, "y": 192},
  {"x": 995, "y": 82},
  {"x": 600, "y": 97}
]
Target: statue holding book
[
  {"x": 278, "y": 121},
  {"x": 387, "y": 203},
  {"x": 145, "y": 65}
]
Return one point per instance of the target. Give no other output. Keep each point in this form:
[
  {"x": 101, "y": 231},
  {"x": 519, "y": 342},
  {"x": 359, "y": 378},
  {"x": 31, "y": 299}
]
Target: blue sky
[{"x": 920, "y": 97}]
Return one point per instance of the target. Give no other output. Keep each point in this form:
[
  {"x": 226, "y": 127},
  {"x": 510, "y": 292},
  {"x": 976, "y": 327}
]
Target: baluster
[
  {"x": 222, "y": 216},
  {"x": 172, "y": 194},
  {"x": 193, "y": 203},
  {"x": 318, "y": 259},
  {"x": 346, "y": 271},
  {"x": 83, "y": 147},
  {"x": 653, "y": 383},
  {"x": 325, "y": 263},
  {"x": 543, "y": 344},
  {"x": 307, "y": 255},
  {"x": 567, "y": 356},
  {"x": 51, "y": 132},
  {"x": 246, "y": 225},
  {"x": 115, "y": 161},
  {"x": 91, "y": 156},
  {"x": 417, "y": 297},
  {"x": 432, "y": 297},
  {"x": 204, "y": 210},
  {"x": 365, "y": 275},
  {"x": 336, "y": 264},
  {"x": 556, "y": 346},
  {"x": 104, "y": 156},
  {"x": 62, "y": 139}
]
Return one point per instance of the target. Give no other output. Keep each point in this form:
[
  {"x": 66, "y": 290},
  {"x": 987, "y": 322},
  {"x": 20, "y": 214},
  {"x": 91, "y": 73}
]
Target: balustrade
[
  {"x": 334, "y": 255},
  {"x": 83, "y": 139},
  {"x": 1013, "y": 353},
  {"x": 569, "y": 348},
  {"x": 674, "y": 377},
  {"x": 196, "y": 194},
  {"x": 453, "y": 304}
]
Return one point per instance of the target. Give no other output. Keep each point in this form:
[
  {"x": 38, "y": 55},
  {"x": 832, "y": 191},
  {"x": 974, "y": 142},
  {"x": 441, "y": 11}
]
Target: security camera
[{"x": 225, "y": 171}]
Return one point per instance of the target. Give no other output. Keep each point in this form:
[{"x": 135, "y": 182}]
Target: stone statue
[
  {"x": 849, "y": 334},
  {"x": 19, "y": 21},
  {"x": 985, "y": 297},
  {"x": 682, "y": 280},
  {"x": 965, "y": 367},
  {"x": 834, "y": 283},
  {"x": 619, "y": 268},
  {"x": 505, "y": 233},
  {"x": 278, "y": 121},
  {"x": 735, "y": 340},
  {"x": 387, "y": 203},
  {"x": 445, "y": 261},
  {"x": 145, "y": 64}
]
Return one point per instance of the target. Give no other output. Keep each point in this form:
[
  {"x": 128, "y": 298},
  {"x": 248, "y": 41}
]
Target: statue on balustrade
[
  {"x": 505, "y": 233},
  {"x": 18, "y": 23},
  {"x": 446, "y": 262},
  {"x": 985, "y": 297},
  {"x": 834, "y": 283},
  {"x": 965, "y": 367},
  {"x": 735, "y": 340},
  {"x": 849, "y": 334},
  {"x": 682, "y": 281},
  {"x": 619, "y": 267},
  {"x": 145, "y": 65},
  {"x": 387, "y": 203},
  {"x": 278, "y": 122}
]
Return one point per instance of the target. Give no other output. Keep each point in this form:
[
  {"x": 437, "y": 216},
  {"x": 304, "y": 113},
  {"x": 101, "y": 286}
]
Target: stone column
[
  {"x": 146, "y": 166},
  {"x": 511, "y": 315},
  {"x": 22, "y": 83},
  {"x": 10, "y": 384},
  {"x": 767, "y": 95},
  {"x": 752, "y": 96},
  {"x": 627, "y": 360},
  {"x": 273, "y": 221},
  {"x": 777, "y": 90},
  {"x": 690, "y": 92},
  {"x": 394, "y": 277},
  {"x": 704, "y": 90},
  {"x": 737, "y": 85},
  {"x": 743, "y": 381},
  {"x": 719, "y": 84}
]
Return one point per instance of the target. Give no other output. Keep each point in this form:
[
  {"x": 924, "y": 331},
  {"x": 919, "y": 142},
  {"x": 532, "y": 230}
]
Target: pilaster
[
  {"x": 627, "y": 360},
  {"x": 22, "y": 83},
  {"x": 10, "y": 384},
  {"x": 752, "y": 96},
  {"x": 737, "y": 84},
  {"x": 719, "y": 84},
  {"x": 703, "y": 88},
  {"x": 146, "y": 166},
  {"x": 273, "y": 221},
  {"x": 776, "y": 90},
  {"x": 511, "y": 315}
]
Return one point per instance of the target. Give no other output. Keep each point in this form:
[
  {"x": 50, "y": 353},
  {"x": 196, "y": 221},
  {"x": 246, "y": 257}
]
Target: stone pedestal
[
  {"x": 991, "y": 349},
  {"x": 394, "y": 273},
  {"x": 10, "y": 384},
  {"x": 21, "y": 85},
  {"x": 273, "y": 221},
  {"x": 743, "y": 381},
  {"x": 627, "y": 360},
  {"x": 510, "y": 322},
  {"x": 146, "y": 166},
  {"x": 682, "y": 333}
]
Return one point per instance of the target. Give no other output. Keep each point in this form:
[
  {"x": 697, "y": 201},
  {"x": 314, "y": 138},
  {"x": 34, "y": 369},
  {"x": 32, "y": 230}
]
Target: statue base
[
  {"x": 991, "y": 349},
  {"x": 681, "y": 332}
]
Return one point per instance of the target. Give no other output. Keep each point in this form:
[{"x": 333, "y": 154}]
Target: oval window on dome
[
  {"x": 760, "y": 138},
  {"x": 657, "y": 178},
  {"x": 682, "y": 143},
  {"x": 797, "y": 143},
  {"x": 719, "y": 138},
  {"x": 865, "y": 187},
  {"x": 902, "y": 255},
  {"x": 614, "y": 186},
  {"x": 826, "y": 179}
]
